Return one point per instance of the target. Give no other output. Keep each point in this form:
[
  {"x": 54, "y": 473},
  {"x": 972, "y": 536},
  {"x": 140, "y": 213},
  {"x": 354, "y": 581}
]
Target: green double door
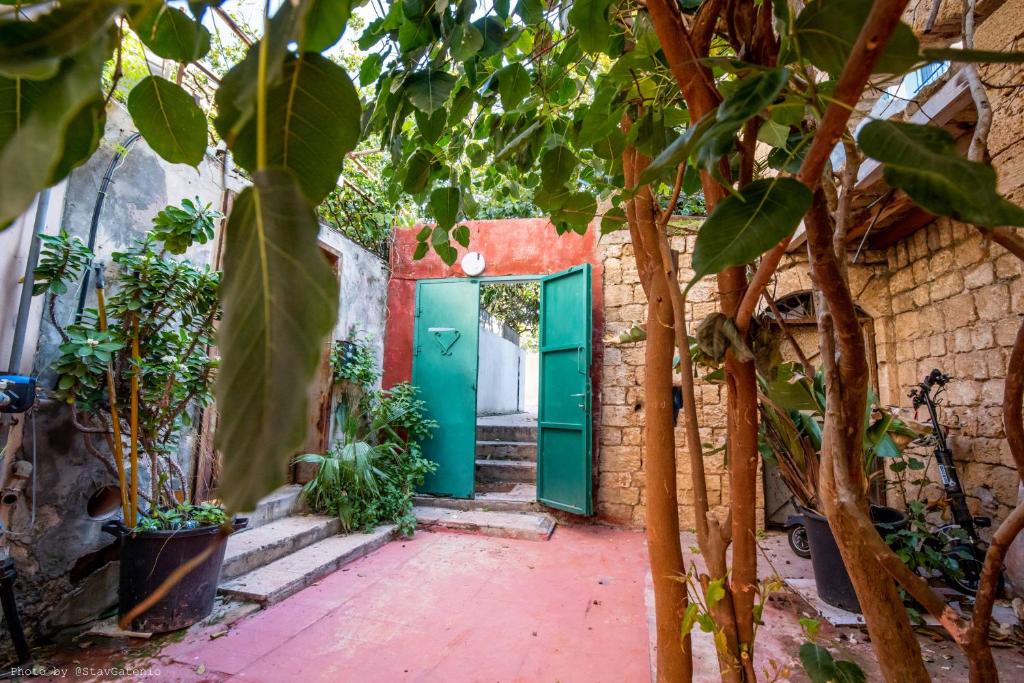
[{"x": 445, "y": 356}]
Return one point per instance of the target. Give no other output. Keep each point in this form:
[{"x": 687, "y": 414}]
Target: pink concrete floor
[{"x": 448, "y": 607}]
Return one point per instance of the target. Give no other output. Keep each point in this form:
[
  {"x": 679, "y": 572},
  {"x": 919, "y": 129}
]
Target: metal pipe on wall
[{"x": 25, "y": 302}]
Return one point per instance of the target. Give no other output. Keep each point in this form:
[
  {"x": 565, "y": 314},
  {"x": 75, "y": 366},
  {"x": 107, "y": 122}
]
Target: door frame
[{"x": 498, "y": 279}]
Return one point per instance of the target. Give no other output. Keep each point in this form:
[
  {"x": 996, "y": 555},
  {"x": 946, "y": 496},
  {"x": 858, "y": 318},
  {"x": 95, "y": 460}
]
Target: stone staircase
[
  {"x": 505, "y": 504},
  {"x": 506, "y": 454},
  {"x": 283, "y": 550}
]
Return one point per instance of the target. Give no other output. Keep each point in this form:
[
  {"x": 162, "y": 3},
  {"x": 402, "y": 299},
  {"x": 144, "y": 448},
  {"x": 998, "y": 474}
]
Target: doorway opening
[
  {"x": 446, "y": 369},
  {"x": 508, "y": 381}
]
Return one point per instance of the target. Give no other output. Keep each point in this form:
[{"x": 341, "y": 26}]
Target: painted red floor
[{"x": 453, "y": 608}]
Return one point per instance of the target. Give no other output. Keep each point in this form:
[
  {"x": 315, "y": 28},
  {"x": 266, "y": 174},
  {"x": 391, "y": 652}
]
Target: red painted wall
[{"x": 517, "y": 246}]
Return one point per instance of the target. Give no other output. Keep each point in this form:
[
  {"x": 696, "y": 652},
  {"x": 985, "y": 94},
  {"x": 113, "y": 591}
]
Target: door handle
[
  {"x": 579, "y": 361},
  {"x": 583, "y": 405}
]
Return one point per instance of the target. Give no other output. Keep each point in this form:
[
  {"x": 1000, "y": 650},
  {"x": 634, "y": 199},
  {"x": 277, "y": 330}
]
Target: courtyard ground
[{"x": 459, "y": 608}]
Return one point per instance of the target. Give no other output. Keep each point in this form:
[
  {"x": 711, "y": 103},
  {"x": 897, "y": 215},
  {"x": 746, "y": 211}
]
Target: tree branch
[{"x": 874, "y": 36}]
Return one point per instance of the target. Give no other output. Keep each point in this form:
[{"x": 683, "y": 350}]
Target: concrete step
[
  {"x": 278, "y": 580},
  {"x": 274, "y": 506},
  {"x": 510, "y": 432},
  {"x": 506, "y": 450},
  {"x": 523, "y": 525},
  {"x": 500, "y": 471},
  {"x": 272, "y": 541},
  {"x": 522, "y": 498}
]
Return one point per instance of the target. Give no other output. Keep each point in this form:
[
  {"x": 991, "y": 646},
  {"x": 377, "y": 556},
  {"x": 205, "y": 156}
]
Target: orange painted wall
[{"x": 517, "y": 246}]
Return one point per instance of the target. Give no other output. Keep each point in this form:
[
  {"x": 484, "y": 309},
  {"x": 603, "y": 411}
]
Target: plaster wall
[
  {"x": 65, "y": 571},
  {"x": 500, "y": 375},
  {"x": 363, "y": 290}
]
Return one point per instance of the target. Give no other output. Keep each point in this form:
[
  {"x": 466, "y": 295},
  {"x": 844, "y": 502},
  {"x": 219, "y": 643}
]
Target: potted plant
[
  {"x": 134, "y": 371},
  {"x": 792, "y": 407}
]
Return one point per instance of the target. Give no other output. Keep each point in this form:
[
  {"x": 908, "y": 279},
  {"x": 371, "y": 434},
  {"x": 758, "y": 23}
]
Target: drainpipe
[
  {"x": 25, "y": 303},
  {"x": 101, "y": 196}
]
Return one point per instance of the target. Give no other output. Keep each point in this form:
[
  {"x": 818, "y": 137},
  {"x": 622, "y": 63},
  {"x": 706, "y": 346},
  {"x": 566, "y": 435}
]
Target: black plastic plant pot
[
  {"x": 149, "y": 557},
  {"x": 830, "y": 576}
]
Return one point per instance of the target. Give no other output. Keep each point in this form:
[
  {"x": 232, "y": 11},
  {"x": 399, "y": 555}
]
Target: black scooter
[{"x": 960, "y": 537}]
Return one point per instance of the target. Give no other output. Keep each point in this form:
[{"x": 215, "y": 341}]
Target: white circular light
[{"x": 473, "y": 263}]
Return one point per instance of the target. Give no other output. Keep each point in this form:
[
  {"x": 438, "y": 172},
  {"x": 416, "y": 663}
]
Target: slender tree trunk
[
  {"x": 674, "y": 662},
  {"x": 663, "y": 541},
  {"x": 843, "y": 487}
]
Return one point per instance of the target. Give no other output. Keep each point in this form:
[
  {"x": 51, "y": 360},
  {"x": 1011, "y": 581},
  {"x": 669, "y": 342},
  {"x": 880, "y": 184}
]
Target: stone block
[
  {"x": 620, "y": 459},
  {"x": 982, "y": 336},
  {"x": 919, "y": 268},
  {"x": 992, "y": 302},
  {"x": 992, "y": 392},
  {"x": 1007, "y": 266},
  {"x": 618, "y": 295},
  {"x": 611, "y": 436},
  {"x": 980, "y": 275},
  {"x": 946, "y": 285},
  {"x": 1006, "y": 331},
  {"x": 921, "y": 296},
  {"x": 958, "y": 311},
  {"x": 617, "y": 514},
  {"x": 969, "y": 251}
]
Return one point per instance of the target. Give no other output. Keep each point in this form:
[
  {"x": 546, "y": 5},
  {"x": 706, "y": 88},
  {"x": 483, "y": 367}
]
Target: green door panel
[
  {"x": 444, "y": 368},
  {"x": 564, "y": 430}
]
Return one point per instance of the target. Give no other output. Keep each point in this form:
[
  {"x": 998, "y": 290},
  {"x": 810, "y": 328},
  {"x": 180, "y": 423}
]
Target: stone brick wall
[
  {"x": 943, "y": 298},
  {"x": 955, "y": 305},
  {"x": 620, "y": 491}
]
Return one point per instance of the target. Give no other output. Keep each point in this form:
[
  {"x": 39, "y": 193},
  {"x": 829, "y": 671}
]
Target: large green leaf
[
  {"x": 236, "y": 96},
  {"x": 752, "y": 94},
  {"x": 33, "y": 154},
  {"x": 429, "y": 90},
  {"x": 170, "y": 33},
  {"x": 313, "y": 117},
  {"x": 466, "y": 41},
  {"x": 169, "y": 119},
  {"x": 33, "y": 49},
  {"x": 827, "y": 29},
  {"x": 513, "y": 85},
  {"x": 417, "y": 172},
  {"x": 82, "y": 137},
  {"x": 923, "y": 162},
  {"x": 280, "y": 301},
  {"x": 557, "y": 166},
  {"x": 444, "y": 205},
  {"x": 817, "y": 663},
  {"x": 677, "y": 152},
  {"x": 590, "y": 19},
  {"x": 325, "y": 23},
  {"x": 575, "y": 212},
  {"x": 743, "y": 227},
  {"x": 18, "y": 97}
]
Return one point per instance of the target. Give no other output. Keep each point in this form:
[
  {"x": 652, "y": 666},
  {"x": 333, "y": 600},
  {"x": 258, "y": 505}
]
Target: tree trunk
[
  {"x": 663, "y": 543},
  {"x": 843, "y": 488},
  {"x": 674, "y": 662}
]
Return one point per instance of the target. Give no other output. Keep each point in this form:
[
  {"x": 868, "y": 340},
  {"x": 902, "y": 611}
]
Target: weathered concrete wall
[
  {"x": 65, "y": 573},
  {"x": 15, "y": 243},
  {"x": 143, "y": 184},
  {"x": 363, "y": 292}
]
